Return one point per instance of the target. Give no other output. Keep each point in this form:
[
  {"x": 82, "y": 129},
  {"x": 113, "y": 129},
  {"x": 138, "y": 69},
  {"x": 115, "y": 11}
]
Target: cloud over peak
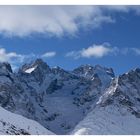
[
  {"x": 48, "y": 54},
  {"x": 5, "y": 56},
  {"x": 16, "y": 59}
]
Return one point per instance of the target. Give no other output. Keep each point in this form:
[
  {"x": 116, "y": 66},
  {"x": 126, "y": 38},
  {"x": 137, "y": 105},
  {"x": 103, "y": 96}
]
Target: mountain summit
[{"x": 64, "y": 102}]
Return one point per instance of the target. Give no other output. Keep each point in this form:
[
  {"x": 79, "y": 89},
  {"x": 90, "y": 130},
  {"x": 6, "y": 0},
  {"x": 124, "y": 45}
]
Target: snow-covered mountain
[
  {"x": 61, "y": 101},
  {"x": 118, "y": 109},
  {"x": 56, "y": 98},
  {"x": 13, "y": 124}
]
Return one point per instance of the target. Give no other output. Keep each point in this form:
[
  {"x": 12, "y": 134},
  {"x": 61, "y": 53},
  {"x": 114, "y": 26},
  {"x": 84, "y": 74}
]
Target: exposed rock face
[
  {"x": 128, "y": 82},
  {"x": 89, "y": 72},
  {"x": 118, "y": 109},
  {"x": 125, "y": 91},
  {"x": 60, "y": 99},
  {"x": 52, "y": 96}
]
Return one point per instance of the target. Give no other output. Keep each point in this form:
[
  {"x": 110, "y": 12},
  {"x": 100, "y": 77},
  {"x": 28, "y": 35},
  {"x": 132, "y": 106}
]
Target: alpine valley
[{"x": 90, "y": 100}]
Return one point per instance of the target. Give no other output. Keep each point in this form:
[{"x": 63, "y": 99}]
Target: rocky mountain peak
[
  {"x": 57, "y": 69},
  {"x": 54, "y": 96},
  {"x": 90, "y": 72},
  {"x": 124, "y": 90},
  {"x": 131, "y": 76},
  {"x": 6, "y": 66},
  {"x": 38, "y": 64},
  {"x": 108, "y": 71},
  {"x": 85, "y": 70}
]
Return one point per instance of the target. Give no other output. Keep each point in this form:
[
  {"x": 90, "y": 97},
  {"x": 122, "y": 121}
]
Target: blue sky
[{"x": 69, "y": 36}]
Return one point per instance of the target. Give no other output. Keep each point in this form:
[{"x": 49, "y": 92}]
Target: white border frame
[{"x": 69, "y": 2}]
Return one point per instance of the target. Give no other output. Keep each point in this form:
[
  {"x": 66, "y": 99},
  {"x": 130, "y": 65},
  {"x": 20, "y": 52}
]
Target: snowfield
[
  {"x": 110, "y": 120},
  {"x": 13, "y": 124}
]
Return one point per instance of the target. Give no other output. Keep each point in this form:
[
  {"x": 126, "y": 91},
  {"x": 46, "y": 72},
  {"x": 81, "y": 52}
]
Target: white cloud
[
  {"x": 95, "y": 50},
  {"x": 48, "y": 54},
  {"x": 18, "y": 59},
  {"x": 128, "y": 51},
  {"x": 136, "y": 51},
  {"x": 5, "y": 57},
  {"x": 74, "y": 54},
  {"x": 55, "y": 20},
  {"x": 101, "y": 50},
  {"x": 14, "y": 57}
]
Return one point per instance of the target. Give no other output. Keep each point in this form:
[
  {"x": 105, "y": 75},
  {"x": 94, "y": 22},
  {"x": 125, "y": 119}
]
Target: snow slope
[
  {"x": 13, "y": 124},
  {"x": 110, "y": 120},
  {"x": 56, "y": 98},
  {"x": 89, "y": 99},
  {"x": 118, "y": 109},
  {"x": 30, "y": 70}
]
